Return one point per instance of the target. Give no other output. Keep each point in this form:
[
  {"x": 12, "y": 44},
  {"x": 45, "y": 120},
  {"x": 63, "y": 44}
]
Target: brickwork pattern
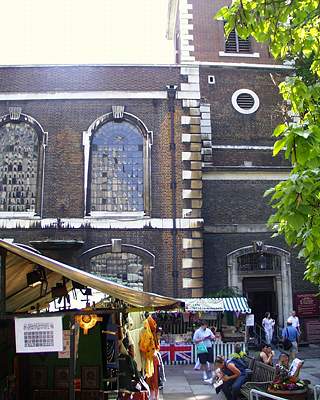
[
  {"x": 217, "y": 246},
  {"x": 209, "y": 35},
  {"x": 228, "y": 125},
  {"x": 236, "y": 202}
]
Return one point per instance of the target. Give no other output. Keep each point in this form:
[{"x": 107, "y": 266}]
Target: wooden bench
[{"x": 261, "y": 377}]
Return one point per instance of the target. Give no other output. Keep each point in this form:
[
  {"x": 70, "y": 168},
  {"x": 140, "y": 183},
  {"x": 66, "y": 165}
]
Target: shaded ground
[{"x": 184, "y": 383}]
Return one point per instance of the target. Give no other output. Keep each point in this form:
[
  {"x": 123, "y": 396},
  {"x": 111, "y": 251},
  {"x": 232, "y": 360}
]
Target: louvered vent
[
  {"x": 234, "y": 44},
  {"x": 231, "y": 43},
  {"x": 245, "y": 101},
  {"x": 244, "y": 45}
]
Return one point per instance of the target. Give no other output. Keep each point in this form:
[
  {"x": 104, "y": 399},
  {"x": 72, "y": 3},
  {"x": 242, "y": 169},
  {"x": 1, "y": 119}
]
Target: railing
[
  {"x": 256, "y": 394},
  {"x": 187, "y": 354},
  {"x": 316, "y": 392}
]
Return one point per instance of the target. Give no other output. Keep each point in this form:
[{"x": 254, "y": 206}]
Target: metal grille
[
  {"x": 122, "y": 268},
  {"x": 234, "y": 44},
  {"x": 245, "y": 101},
  {"x": 18, "y": 167},
  {"x": 117, "y": 168},
  {"x": 259, "y": 262}
]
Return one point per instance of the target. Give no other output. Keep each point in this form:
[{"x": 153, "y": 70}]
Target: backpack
[{"x": 286, "y": 343}]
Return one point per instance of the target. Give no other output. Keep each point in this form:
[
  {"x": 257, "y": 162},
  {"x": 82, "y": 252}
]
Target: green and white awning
[{"x": 237, "y": 304}]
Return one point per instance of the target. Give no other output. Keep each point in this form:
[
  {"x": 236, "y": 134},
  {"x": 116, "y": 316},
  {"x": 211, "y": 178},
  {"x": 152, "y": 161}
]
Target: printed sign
[
  {"x": 38, "y": 335},
  {"x": 65, "y": 353},
  {"x": 307, "y": 304},
  {"x": 250, "y": 320},
  {"x": 313, "y": 330}
]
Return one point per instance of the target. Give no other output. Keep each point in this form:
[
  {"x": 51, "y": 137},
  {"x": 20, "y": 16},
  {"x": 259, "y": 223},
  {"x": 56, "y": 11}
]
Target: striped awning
[{"x": 239, "y": 304}]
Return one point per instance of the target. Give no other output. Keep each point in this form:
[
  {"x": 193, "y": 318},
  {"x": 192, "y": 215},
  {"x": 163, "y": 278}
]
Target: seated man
[
  {"x": 232, "y": 375},
  {"x": 266, "y": 354}
]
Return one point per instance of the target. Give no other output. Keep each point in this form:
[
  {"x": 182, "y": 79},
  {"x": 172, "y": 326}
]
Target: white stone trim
[
  {"x": 190, "y": 87},
  {"x": 100, "y": 223},
  {"x": 245, "y": 65},
  {"x": 188, "y": 95},
  {"x": 190, "y": 283},
  {"x": 18, "y": 215},
  {"x": 245, "y": 55},
  {"x": 240, "y": 147},
  {"x": 86, "y": 95},
  {"x": 251, "y": 110},
  {"x": 245, "y": 175}
]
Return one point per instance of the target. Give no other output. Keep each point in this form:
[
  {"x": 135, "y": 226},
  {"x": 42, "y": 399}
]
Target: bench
[{"x": 261, "y": 377}]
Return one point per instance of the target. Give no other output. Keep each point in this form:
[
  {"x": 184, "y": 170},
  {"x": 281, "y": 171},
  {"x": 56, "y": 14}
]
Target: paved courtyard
[{"x": 184, "y": 383}]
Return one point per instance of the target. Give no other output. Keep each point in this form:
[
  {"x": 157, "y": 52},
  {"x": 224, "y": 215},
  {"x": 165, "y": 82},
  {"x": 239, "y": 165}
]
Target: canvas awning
[
  {"x": 203, "y": 304},
  {"x": 238, "y": 304},
  {"x": 20, "y": 297}
]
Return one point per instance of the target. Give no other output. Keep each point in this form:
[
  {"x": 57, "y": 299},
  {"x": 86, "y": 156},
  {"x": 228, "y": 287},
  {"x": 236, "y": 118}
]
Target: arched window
[
  {"x": 20, "y": 159},
  {"x": 122, "y": 268},
  {"x": 125, "y": 264},
  {"x": 117, "y": 162}
]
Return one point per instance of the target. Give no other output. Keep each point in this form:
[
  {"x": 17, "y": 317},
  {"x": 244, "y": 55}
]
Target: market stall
[
  {"x": 226, "y": 316},
  {"x": 69, "y": 353}
]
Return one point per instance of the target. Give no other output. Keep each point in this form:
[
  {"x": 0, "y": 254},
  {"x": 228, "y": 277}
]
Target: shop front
[
  {"x": 225, "y": 316},
  {"x": 86, "y": 353}
]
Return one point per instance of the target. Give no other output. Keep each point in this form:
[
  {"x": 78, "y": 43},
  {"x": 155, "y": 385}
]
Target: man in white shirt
[
  {"x": 294, "y": 321},
  {"x": 205, "y": 336}
]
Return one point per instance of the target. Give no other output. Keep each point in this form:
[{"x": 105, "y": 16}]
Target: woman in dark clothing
[{"x": 233, "y": 374}]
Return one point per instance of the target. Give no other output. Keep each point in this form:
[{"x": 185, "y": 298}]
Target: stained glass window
[
  {"x": 18, "y": 167},
  {"x": 123, "y": 268},
  {"x": 117, "y": 175}
]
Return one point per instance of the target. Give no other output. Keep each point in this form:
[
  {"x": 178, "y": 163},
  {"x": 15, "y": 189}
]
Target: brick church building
[{"x": 153, "y": 175}]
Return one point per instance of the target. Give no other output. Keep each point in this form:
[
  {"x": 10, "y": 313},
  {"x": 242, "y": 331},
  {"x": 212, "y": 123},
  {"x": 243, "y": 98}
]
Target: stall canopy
[
  {"x": 19, "y": 297},
  {"x": 203, "y": 304},
  {"x": 238, "y": 304}
]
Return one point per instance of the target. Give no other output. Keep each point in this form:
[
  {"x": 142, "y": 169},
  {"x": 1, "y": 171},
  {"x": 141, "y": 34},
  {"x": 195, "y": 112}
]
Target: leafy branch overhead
[{"x": 291, "y": 29}]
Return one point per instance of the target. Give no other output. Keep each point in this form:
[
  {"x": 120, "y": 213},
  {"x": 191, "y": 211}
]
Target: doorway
[{"x": 261, "y": 296}]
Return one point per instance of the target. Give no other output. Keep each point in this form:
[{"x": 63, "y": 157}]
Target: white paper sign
[
  {"x": 38, "y": 335},
  {"x": 66, "y": 345},
  {"x": 250, "y": 320}
]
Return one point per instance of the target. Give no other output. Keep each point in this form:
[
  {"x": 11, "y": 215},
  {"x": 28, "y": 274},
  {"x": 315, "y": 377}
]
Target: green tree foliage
[{"x": 291, "y": 28}]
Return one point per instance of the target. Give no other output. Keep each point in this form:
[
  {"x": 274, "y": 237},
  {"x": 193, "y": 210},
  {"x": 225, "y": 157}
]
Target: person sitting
[
  {"x": 232, "y": 374},
  {"x": 266, "y": 354}
]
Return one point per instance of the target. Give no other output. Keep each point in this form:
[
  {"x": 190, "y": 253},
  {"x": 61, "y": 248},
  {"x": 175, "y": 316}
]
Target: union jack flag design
[{"x": 177, "y": 353}]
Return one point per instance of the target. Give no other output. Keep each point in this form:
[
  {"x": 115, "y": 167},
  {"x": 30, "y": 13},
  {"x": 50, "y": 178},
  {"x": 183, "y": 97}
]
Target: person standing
[
  {"x": 291, "y": 333},
  {"x": 295, "y": 321},
  {"x": 204, "y": 336},
  {"x": 268, "y": 326}
]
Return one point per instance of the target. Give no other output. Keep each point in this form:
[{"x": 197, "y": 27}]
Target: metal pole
[
  {"x": 72, "y": 361},
  {"x": 171, "y": 91},
  {"x": 3, "y": 254}
]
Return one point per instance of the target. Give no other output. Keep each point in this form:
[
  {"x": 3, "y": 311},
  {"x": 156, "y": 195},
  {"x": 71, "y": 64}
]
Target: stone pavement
[{"x": 184, "y": 383}]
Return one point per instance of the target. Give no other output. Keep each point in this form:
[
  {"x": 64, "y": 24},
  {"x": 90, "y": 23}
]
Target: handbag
[
  {"x": 286, "y": 342},
  {"x": 201, "y": 348}
]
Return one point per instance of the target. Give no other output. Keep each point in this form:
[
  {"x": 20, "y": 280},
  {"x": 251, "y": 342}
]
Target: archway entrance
[
  {"x": 262, "y": 296},
  {"x": 263, "y": 273}
]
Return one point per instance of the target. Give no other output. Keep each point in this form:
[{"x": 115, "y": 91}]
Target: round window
[{"x": 245, "y": 101}]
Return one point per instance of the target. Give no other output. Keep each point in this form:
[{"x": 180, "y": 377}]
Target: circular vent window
[{"x": 245, "y": 101}]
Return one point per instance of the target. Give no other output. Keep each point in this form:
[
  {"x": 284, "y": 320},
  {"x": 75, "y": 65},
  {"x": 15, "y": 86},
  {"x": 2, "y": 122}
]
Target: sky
[{"x": 84, "y": 32}]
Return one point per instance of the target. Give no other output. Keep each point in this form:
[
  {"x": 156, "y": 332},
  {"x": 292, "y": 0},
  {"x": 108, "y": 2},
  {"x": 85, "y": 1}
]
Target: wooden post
[
  {"x": 3, "y": 254},
  {"x": 72, "y": 361}
]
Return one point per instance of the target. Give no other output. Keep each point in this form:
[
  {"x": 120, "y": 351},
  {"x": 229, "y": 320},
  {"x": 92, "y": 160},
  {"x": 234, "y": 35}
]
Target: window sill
[
  {"x": 244, "y": 55},
  {"x": 17, "y": 214},
  {"x": 117, "y": 215}
]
